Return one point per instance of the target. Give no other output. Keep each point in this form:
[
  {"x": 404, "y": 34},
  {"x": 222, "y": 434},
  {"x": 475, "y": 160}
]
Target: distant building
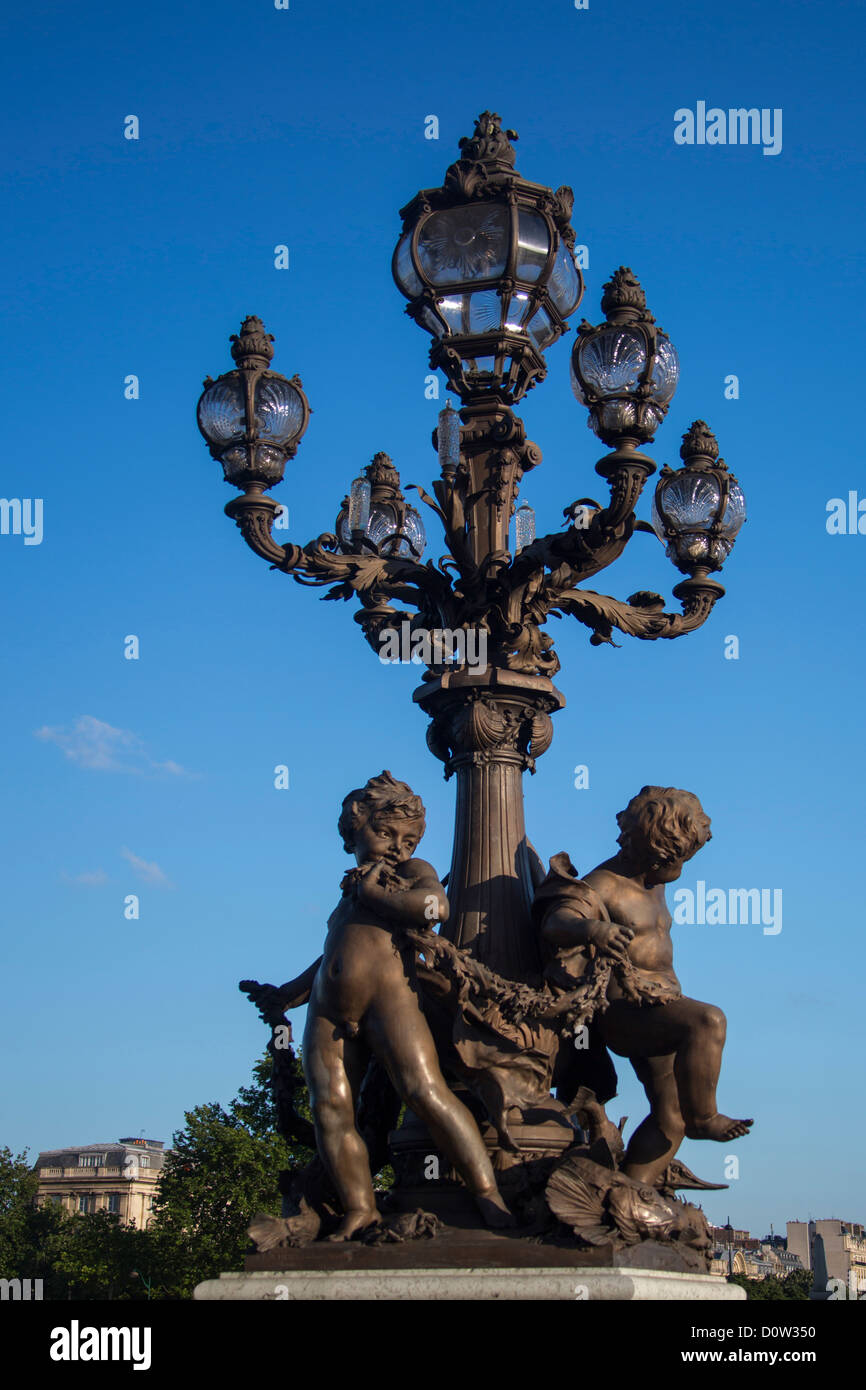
[
  {"x": 120, "y": 1177},
  {"x": 737, "y": 1252},
  {"x": 729, "y": 1237},
  {"x": 832, "y": 1250}
]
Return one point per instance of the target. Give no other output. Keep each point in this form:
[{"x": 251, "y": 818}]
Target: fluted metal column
[{"x": 488, "y": 727}]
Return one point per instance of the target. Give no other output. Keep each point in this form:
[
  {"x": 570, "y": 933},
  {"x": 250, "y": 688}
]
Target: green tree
[
  {"x": 18, "y": 1184},
  {"x": 76, "y": 1256},
  {"x": 92, "y": 1256},
  {"x": 221, "y": 1170},
  {"x": 793, "y": 1286}
]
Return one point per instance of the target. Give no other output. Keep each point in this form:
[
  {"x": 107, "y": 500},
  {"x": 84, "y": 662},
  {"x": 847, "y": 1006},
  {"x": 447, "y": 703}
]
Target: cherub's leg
[
  {"x": 697, "y": 1067},
  {"x": 657, "y": 1138},
  {"x": 334, "y": 1067},
  {"x": 401, "y": 1038},
  {"x": 695, "y": 1033}
]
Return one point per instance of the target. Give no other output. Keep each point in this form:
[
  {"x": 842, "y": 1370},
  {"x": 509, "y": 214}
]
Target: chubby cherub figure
[
  {"x": 363, "y": 1000},
  {"x": 674, "y": 1045}
]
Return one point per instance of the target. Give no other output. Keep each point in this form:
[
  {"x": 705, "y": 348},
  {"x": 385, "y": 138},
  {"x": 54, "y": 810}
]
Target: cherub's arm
[
  {"x": 564, "y": 929},
  {"x": 272, "y": 1001},
  {"x": 296, "y": 992},
  {"x": 422, "y": 903}
]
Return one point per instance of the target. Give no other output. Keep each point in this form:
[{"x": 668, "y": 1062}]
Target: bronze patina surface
[{"x": 490, "y": 1012}]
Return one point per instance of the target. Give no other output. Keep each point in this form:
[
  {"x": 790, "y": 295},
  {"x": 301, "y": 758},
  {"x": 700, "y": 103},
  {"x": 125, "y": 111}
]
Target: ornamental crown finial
[
  {"x": 252, "y": 346},
  {"x": 623, "y": 291},
  {"x": 489, "y": 143},
  {"x": 383, "y": 475},
  {"x": 699, "y": 442}
]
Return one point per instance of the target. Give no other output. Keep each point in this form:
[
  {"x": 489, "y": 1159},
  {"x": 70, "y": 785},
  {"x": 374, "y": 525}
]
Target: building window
[
  {"x": 144, "y": 1160},
  {"x": 113, "y": 1202},
  {"x": 90, "y": 1160},
  {"x": 85, "y": 1204}
]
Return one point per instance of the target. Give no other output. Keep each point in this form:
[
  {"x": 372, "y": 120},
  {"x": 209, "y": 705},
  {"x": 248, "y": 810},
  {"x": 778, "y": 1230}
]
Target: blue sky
[{"x": 305, "y": 127}]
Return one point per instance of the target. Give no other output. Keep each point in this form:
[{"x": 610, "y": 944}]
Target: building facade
[
  {"x": 738, "y": 1252},
  {"x": 832, "y": 1250},
  {"x": 119, "y": 1177}
]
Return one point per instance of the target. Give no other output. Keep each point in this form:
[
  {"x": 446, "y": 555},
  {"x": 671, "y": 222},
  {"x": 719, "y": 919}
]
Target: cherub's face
[
  {"x": 665, "y": 870},
  {"x": 395, "y": 840},
  {"x": 656, "y": 866}
]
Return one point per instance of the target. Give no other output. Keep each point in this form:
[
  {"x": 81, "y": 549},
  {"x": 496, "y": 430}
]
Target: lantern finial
[
  {"x": 489, "y": 144},
  {"x": 252, "y": 346}
]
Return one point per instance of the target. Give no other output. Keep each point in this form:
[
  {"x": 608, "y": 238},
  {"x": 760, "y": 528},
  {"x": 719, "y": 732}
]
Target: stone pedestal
[
  {"x": 425, "y": 1285},
  {"x": 458, "y": 1264}
]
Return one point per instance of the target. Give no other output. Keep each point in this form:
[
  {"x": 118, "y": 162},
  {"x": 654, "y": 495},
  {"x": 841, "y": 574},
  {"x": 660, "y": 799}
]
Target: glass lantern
[
  {"x": 448, "y": 440},
  {"x": 625, "y": 370},
  {"x": 487, "y": 267},
  {"x": 524, "y": 527},
  {"x": 252, "y": 418},
  {"x": 376, "y": 515},
  {"x": 698, "y": 509}
]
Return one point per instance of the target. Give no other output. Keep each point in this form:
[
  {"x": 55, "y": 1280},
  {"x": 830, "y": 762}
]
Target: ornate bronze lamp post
[{"x": 486, "y": 264}]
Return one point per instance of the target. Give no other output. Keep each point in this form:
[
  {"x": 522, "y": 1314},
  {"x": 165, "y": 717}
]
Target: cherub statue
[
  {"x": 618, "y": 913},
  {"x": 363, "y": 1001}
]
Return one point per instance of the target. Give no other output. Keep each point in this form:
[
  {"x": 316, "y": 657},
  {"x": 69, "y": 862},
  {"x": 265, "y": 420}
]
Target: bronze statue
[
  {"x": 618, "y": 912},
  {"x": 363, "y": 1001},
  {"x": 606, "y": 967}
]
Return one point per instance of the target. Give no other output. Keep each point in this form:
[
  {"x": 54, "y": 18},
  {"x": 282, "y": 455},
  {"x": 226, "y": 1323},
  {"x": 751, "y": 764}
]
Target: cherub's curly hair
[
  {"x": 672, "y": 821},
  {"x": 382, "y": 797}
]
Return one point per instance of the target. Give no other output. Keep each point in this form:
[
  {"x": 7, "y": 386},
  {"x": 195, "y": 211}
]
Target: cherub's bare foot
[
  {"x": 493, "y": 1209},
  {"x": 720, "y": 1127},
  {"x": 354, "y": 1221}
]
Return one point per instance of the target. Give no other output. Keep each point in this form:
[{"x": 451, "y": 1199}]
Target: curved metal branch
[
  {"x": 643, "y": 615},
  {"x": 254, "y": 516},
  {"x": 374, "y": 578}
]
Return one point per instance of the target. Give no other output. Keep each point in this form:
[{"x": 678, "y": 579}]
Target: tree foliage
[
  {"x": 222, "y": 1168},
  {"x": 793, "y": 1286}
]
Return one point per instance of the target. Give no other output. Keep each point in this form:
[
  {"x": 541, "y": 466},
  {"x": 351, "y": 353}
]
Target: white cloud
[
  {"x": 149, "y": 872},
  {"x": 88, "y": 880},
  {"x": 93, "y": 744}
]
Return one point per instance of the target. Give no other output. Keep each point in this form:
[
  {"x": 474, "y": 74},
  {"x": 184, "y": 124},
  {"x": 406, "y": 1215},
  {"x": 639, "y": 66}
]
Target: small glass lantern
[
  {"x": 625, "y": 370},
  {"x": 524, "y": 527},
  {"x": 486, "y": 264},
  {"x": 252, "y": 418},
  {"x": 698, "y": 509},
  {"x": 448, "y": 440},
  {"x": 359, "y": 508},
  {"x": 376, "y": 515}
]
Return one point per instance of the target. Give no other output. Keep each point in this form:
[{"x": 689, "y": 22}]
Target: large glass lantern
[
  {"x": 699, "y": 508},
  {"x": 253, "y": 418},
  {"x": 625, "y": 370},
  {"x": 376, "y": 516},
  {"x": 486, "y": 264}
]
